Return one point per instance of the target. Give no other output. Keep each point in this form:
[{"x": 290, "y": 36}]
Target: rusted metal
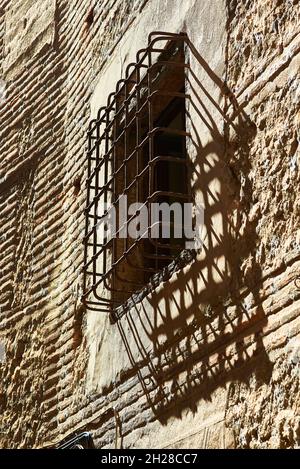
[
  {"x": 78, "y": 441},
  {"x": 297, "y": 282},
  {"x": 117, "y": 167}
]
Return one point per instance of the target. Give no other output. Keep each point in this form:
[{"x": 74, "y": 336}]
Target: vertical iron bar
[
  {"x": 113, "y": 254},
  {"x": 150, "y": 119},
  {"x": 126, "y": 137},
  {"x": 86, "y": 247},
  {"x": 96, "y": 176},
  {"x": 106, "y": 130}
]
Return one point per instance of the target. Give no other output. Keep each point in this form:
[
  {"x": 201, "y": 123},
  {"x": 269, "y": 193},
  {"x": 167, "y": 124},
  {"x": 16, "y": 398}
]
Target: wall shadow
[{"x": 205, "y": 324}]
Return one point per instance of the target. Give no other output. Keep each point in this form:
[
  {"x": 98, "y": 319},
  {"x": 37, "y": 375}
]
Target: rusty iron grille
[
  {"x": 78, "y": 441},
  {"x": 137, "y": 148}
]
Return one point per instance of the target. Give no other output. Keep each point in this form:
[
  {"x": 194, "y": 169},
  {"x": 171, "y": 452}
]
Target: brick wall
[
  {"x": 263, "y": 73},
  {"x": 211, "y": 357}
]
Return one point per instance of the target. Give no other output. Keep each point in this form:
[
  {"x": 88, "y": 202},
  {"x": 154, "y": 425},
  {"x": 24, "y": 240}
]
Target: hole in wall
[
  {"x": 77, "y": 327},
  {"x": 89, "y": 18},
  {"x": 77, "y": 186},
  {"x": 19, "y": 350}
]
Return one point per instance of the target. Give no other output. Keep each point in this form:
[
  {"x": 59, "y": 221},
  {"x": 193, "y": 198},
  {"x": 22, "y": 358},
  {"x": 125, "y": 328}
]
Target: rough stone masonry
[{"x": 211, "y": 357}]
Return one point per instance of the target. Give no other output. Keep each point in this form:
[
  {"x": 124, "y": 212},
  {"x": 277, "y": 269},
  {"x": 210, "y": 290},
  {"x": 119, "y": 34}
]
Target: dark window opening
[{"x": 170, "y": 176}]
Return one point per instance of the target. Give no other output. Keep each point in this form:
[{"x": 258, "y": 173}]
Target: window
[{"x": 137, "y": 163}]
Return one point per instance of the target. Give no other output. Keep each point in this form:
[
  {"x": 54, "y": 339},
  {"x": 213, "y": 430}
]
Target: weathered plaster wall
[
  {"x": 28, "y": 30},
  {"x": 211, "y": 357}
]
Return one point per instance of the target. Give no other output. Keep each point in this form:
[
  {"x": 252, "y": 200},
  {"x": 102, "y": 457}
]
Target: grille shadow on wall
[{"x": 196, "y": 339}]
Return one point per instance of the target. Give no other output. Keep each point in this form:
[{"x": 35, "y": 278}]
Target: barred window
[{"x": 137, "y": 162}]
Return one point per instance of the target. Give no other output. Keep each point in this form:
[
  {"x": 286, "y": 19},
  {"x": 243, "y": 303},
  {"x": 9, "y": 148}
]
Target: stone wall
[
  {"x": 263, "y": 66},
  {"x": 211, "y": 357}
]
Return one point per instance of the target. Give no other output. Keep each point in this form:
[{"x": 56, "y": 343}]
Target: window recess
[{"x": 137, "y": 151}]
